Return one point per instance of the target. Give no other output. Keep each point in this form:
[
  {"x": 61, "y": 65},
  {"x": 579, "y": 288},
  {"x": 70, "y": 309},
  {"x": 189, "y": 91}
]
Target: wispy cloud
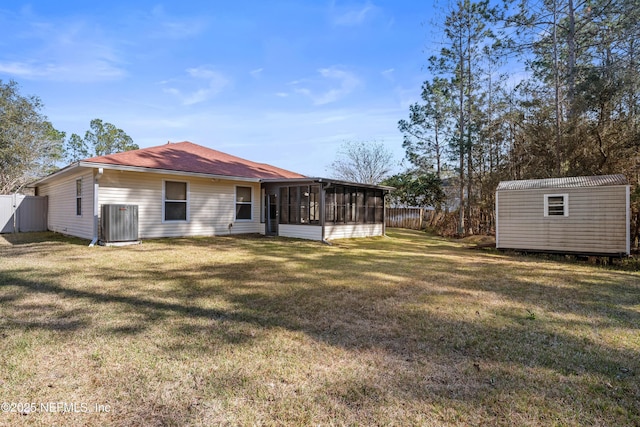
[
  {"x": 24, "y": 70},
  {"x": 173, "y": 27},
  {"x": 202, "y": 84},
  {"x": 256, "y": 73},
  {"x": 351, "y": 16},
  {"x": 340, "y": 83},
  {"x": 65, "y": 50},
  {"x": 388, "y": 74}
]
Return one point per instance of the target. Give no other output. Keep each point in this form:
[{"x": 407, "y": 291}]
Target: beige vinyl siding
[
  {"x": 352, "y": 230},
  {"x": 596, "y": 223},
  {"x": 62, "y": 216},
  {"x": 310, "y": 232},
  {"x": 210, "y": 210}
]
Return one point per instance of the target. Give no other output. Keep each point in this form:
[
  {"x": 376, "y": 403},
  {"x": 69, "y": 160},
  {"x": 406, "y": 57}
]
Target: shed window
[
  {"x": 243, "y": 203},
  {"x": 556, "y": 205},
  {"x": 79, "y": 197},
  {"x": 175, "y": 201}
]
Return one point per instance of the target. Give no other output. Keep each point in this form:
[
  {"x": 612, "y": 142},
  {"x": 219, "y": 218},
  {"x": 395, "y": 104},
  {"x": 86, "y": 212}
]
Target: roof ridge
[{"x": 186, "y": 156}]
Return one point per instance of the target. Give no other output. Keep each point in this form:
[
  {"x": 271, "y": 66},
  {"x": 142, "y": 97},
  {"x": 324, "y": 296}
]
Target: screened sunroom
[{"x": 322, "y": 209}]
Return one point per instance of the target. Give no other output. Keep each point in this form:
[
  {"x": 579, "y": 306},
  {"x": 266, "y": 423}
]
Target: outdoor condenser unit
[{"x": 119, "y": 223}]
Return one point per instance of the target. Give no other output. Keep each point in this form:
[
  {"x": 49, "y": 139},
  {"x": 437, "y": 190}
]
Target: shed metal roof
[{"x": 569, "y": 182}]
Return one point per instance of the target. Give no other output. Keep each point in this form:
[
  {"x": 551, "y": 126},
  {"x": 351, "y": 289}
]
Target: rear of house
[
  {"x": 183, "y": 189},
  {"x": 584, "y": 215}
]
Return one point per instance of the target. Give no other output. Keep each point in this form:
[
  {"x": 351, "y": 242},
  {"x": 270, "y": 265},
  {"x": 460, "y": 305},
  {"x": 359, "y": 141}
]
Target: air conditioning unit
[{"x": 119, "y": 223}]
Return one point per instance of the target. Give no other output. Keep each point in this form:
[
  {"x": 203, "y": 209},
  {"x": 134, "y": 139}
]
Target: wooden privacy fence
[
  {"x": 20, "y": 213},
  {"x": 412, "y": 218},
  {"x": 420, "y": 218}
]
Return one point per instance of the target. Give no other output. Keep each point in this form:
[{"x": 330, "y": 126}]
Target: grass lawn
[{"x": 405, "y": 330}]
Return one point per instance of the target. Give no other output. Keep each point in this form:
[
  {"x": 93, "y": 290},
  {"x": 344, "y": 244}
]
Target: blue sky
[{"x": 280, "y": 82}]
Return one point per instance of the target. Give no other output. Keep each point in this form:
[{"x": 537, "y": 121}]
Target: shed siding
[
  {"x": 311, "y": 232},
  {"x": 62, "y": 216},
  {"x": 211, "y": 207},
  {"x": 353, "y": 230},
  {"x": 597, "y": 221}
]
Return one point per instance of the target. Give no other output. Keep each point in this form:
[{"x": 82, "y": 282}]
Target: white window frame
[
  {"x": 78, "y": 196},
  {"x": 565, "y": 205},
  {"x": 164, "y": 200},
  {"x": 235, "y": 197}
]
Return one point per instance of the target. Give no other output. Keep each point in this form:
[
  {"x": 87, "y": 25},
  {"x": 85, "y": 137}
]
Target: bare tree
[{"x": 362, "y": 162}]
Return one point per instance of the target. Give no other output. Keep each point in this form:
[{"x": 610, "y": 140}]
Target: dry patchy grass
[{"x": 404, "y": 330}]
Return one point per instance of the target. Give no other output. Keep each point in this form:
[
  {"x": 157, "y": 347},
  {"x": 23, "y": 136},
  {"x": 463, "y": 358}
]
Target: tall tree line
[{"x": 574, "y": 110}]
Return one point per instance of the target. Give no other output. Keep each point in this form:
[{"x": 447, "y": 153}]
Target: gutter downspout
[{"x": 96, "y": 207}]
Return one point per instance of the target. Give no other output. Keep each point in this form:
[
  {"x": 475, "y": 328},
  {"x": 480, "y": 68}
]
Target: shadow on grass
[
  {"x": 36, "y": 244},
  {"x": 390, "y": 295}
]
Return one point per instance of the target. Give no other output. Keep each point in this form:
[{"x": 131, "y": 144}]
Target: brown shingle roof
[
  {"x": 193, "y": 158},
  {"x": 570, "y": 182}
]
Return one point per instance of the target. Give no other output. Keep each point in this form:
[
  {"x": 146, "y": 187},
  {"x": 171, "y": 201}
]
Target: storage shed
[{"x": 584, "y": 215}]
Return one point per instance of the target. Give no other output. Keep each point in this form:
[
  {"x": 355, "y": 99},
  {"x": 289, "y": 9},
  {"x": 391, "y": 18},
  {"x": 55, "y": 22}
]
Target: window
[
  {"x": 284, "y": 205},
  {"x": 351, "y": 205},
  {"x": 243, "y": 203},
  {"x": 340, "y": 204},
  {"x": 314, "y": 204},
  {"x": 294, "y": 210},
  {"x": 300, "y": 204},
  {"x": 308, "y": 203},
  {"x": 556, "y": 205},
  {"x": 175, "y": 201},
  {"x": 79, "y": 197},
  {"x": 360, "y": 205},
  {"x": 379, "y": 208},
  {"x": 304, "y": 205},
  {"x": 330, "y": 205},
  {"x": 371, "y": 206}
]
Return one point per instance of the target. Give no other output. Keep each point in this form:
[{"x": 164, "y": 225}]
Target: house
[
  {"x": 584, "y": 215},
  {"x": 184, "y": 189}
]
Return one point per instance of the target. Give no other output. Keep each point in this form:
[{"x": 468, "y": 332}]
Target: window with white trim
[
  {"x": 79, "y": 197},
  {"x": 176, "y": 201},
  {"x": 556, "y": 205},
  {"x": 243, "y": 203}
]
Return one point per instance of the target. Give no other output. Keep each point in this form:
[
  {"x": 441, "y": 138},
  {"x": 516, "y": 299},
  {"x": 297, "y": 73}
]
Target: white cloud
[
  {"x": 22, "y": 69},
  {"x": 340, "y": 82},
  {"x": 388, "y": 74},
  {"x": 256, "y": 73},
  {"x": 352, "y": 16},
  {"x": 87, "y": 70},
  {"x": 172, "y": 27},
  {"x": 204, "y": 84},
  {"x": 68, "y": 50}
]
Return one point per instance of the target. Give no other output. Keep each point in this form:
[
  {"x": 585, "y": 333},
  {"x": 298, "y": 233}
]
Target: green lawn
[{"x": 405, "y": 330}]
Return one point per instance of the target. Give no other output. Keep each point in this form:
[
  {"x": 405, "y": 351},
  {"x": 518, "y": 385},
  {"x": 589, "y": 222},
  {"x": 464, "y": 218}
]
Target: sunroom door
[{"x": 272, "y": 215}]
